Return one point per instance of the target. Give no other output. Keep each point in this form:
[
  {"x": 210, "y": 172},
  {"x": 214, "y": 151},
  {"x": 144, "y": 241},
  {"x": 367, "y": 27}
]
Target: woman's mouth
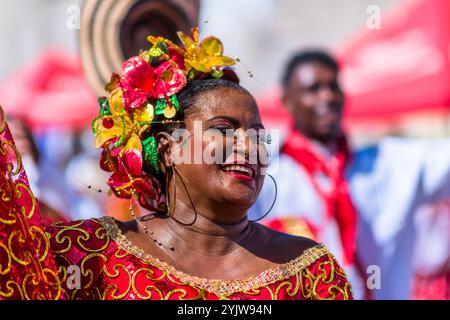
[{"x": 243, "y": 172}]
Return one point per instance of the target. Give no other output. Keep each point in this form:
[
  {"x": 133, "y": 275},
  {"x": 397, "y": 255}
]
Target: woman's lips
[
  {"x": 242, "y": 171},
  {"x": 239, "y": 176}
]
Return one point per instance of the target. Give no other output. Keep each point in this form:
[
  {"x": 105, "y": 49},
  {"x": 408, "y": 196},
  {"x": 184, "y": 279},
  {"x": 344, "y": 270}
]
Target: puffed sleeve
[
  {"x": 325, "y": 279},
  {"x": 79, "y": 249}
]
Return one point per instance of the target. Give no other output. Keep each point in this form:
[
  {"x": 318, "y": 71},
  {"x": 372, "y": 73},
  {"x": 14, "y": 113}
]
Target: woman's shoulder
[
  {"x": 286, "y": 246},
  {"x": 321, "y": 275}
]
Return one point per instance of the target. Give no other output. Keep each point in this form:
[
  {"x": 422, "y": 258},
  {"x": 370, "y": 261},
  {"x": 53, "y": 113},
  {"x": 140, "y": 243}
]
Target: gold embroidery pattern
[
  {"x": 327, "y": 282},
  {"x": 133, "y": 274},
  {"x": 215, "y": 286},
  {"x": 68, "y": 238},
  {"x": 27, "y": 270}
]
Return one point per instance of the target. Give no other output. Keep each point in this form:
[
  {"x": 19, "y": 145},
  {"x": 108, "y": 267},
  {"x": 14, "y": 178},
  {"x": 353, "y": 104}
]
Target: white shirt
[{"x": 388, "y": 183}]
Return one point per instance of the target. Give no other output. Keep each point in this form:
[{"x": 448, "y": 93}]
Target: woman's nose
[
  {"x": 246, "y": 144},
  {"x": 241, "y": 144},
  {"x": 241, "y": 139}
]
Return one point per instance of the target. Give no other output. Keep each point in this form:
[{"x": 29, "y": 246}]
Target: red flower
[
  {"x": 177, "y": 58},
  {"x": 108, "y": 162},
  {"x": 130, "y": 178},
  {"x": 137, "y": 83},
  {"x": 170, "y": 80}
]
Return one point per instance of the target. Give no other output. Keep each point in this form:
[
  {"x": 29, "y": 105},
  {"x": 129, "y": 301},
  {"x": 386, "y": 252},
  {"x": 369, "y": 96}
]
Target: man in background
[{"x": 360, "y": 204}]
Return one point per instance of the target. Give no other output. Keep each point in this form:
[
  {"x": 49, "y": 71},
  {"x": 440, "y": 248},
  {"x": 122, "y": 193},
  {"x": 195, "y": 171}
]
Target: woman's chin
[
  {"x": 244, "y": 199},
  {"x": 239, "y": 193}
]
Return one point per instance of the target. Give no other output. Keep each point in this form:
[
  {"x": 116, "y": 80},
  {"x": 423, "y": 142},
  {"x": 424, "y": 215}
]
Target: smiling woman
[{"x": 195, "y": 241}]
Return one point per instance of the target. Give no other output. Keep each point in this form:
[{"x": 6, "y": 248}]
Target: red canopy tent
[
  {"x": 50, "y": 91},
  {"x": 402, "y": 68}
]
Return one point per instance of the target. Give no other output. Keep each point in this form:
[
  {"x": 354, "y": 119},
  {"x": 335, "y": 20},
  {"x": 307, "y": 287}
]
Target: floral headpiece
[{"x": 146, "y": 94}]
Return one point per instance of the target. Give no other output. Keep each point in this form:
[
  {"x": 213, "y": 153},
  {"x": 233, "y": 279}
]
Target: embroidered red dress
[{"x": 112, "y": 268}]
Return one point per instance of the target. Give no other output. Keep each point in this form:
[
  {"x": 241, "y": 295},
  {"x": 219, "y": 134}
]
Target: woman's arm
[{"x": 27, "y": 266}]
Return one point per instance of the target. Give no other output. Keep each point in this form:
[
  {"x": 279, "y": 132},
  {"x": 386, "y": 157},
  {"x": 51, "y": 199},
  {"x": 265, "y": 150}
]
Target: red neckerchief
[{"x": 338, "y": 202}]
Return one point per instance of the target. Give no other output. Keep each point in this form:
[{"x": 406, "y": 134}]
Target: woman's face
[{"x": 225, "y": 140}]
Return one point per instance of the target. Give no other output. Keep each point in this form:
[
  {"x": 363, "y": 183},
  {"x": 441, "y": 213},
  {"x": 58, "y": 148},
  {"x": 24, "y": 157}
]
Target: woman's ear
[{"x": 165, "y": 144}]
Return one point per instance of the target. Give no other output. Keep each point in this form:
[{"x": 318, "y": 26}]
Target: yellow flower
[
  {"x": 206, "y": 56},
  {"x": 119, "y": 124}
]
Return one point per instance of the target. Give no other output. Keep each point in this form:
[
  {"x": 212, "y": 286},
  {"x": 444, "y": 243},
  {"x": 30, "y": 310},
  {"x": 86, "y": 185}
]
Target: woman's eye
[
  {"x": 226, "y": 131},
  {"x": 264, "y": 138}
]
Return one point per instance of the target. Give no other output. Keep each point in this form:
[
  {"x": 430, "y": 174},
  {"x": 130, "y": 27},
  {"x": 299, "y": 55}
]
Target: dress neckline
[{"x": 221, "y": 288}]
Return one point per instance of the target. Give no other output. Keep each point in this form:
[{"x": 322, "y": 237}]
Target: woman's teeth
[{"x": 241, "y": 169}]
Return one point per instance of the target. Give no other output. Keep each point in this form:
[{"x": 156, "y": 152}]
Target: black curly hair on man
[{"x": 307, "y": 56}]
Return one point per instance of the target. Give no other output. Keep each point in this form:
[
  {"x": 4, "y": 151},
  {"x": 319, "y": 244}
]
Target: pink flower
[
  {"x": 137, "y": 83},
  {"x": 170, "y": 80},
  {"x": 170, "y": 76}
]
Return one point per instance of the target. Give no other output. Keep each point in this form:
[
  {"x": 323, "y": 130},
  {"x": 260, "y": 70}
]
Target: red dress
[{"x": 112, "y": 268}]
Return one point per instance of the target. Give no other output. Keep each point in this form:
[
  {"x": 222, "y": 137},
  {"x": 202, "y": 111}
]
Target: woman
[{"x": 196, "y": 241}]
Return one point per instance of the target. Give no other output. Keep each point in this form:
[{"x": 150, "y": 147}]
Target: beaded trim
[{"x": 221, "y": 288}]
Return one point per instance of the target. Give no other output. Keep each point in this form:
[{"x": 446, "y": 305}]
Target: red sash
[{"x": 337, "y": 199}]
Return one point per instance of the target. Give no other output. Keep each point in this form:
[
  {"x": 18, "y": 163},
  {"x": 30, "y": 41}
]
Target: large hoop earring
[
  {"x": 171, "y": 214},
  {"x": 274, "y": 200}
]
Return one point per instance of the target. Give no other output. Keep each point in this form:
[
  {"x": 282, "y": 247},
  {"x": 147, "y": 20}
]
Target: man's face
[{"x": 315, "y": 100}]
